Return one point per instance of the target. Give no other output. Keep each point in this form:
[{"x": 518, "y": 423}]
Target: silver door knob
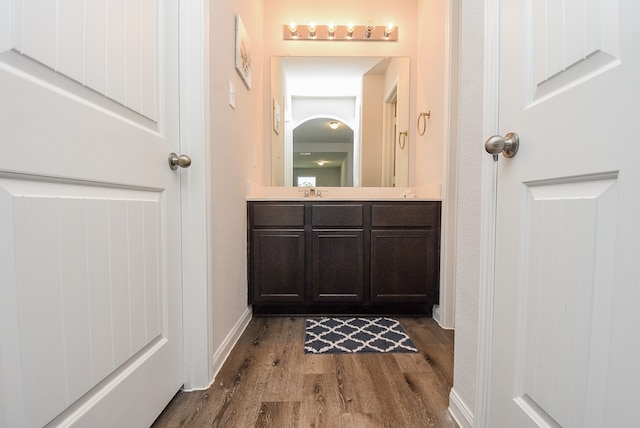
[
  {"x": 182, "y": 161},
  {"x": 507, "y": 145}
]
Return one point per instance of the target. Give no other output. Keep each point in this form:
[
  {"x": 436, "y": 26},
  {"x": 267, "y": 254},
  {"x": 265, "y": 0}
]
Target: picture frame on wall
[
  {"x": 276, "y": 116},
  {"x": 243, "y": 52}
]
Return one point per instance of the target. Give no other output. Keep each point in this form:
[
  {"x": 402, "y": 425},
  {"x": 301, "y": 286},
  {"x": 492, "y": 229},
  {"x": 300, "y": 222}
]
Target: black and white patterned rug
[{"x": 355, "y": 335}]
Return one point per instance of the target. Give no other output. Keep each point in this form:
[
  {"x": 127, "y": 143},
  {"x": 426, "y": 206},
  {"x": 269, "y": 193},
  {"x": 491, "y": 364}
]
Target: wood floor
[{"x": 268, "y": 381}]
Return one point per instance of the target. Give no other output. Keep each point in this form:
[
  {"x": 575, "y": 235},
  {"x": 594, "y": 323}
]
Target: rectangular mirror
[{"x": 340, "y": 120}]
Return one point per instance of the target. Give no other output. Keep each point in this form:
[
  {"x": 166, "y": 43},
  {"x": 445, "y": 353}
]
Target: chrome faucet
[{"x": 310, "y": 191}]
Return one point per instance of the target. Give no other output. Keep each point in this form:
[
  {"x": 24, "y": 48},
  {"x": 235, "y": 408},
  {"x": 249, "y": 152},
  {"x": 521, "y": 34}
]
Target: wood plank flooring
[{"x": 268, "y": 381}]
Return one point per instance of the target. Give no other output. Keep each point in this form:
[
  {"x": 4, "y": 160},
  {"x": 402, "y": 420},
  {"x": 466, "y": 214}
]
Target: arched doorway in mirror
[{"x": 323, "y": 153}]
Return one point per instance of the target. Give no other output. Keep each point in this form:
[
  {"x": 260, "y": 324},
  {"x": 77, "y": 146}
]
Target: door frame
[
  {"x": 389, "y": 112},
  {"x": 195, "y": 186},
  {"x": 196, "y": 206},
  {"x": 444, "y": 312},
  {"x": 488, "y": 225}
]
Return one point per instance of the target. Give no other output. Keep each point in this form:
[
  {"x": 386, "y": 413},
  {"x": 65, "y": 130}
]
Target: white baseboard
[
  {"x": 436, "y": 314},
  {"x": 222, "y": 353},
  {"x": 459, "y": 411},
  {"x": 230, "y": 341}
]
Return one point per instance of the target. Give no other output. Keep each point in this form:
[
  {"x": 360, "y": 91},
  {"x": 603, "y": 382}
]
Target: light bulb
[
  {"x": 312, "y": 29},
  {"x": 388, "y": 30},
  {"x": 370, "y": 29},
  {"x": 293, "y": 28},
  {"x": 333, "y": 125},
  {"x": 350, "y": 27},
  {"x": 331, "y": 29}
]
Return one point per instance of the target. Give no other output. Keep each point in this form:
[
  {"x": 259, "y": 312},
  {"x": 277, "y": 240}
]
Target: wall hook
[
  {"x": 402, "y": 140},
  {"x": 422, "y": 127}
]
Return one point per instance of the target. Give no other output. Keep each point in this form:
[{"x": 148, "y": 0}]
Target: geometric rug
[{"x": 355, "y": 335}]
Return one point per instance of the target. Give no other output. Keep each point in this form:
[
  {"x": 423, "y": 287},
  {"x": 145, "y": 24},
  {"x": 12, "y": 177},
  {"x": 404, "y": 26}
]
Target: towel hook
[
  {"x": 424, "y": 116},
  {"x": 402, "y": 142}
]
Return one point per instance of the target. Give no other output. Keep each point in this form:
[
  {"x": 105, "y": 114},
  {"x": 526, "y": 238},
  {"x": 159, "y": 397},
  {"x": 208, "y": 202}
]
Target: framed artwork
[
  {"x": 243, "y": 52},
  {"x": 276, "y": 116}
]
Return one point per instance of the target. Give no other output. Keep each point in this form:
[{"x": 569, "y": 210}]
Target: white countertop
[
  {"x": 267, "y": 193},
  {"x": 328, "y": 199}
]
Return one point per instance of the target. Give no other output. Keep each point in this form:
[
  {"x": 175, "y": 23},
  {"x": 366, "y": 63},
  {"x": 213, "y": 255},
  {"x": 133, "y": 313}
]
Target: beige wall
[
  {"x": 431, "y": 92},
  {"x": 373, "y": 97},
  {"x": 280, "y": 12},
  {"x": 274, "y": 146},
  {"x": 235, "y": 135},
  {"x": 405, "y": 159},
  {"x": 238, "y": 135}
]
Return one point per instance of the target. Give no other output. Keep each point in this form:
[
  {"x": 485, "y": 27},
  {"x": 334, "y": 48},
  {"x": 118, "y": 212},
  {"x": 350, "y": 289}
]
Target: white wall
[
  {"x": 470, "y": 145},
  {"x": 436, "y": 150}
]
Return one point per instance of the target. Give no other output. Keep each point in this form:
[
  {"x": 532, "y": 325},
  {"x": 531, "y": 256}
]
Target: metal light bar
[{"x": 380, "y": 33}]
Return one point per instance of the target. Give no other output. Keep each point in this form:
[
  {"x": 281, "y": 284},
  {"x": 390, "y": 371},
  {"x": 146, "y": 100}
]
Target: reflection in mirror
[
  {"x": 368, "y": 99},
  {"x": 323, "y": 149}
]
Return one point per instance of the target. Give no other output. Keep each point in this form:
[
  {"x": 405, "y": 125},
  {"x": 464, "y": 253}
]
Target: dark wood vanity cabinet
[
  {"x": 278, "y": 266},
  {"x": 277, "y": 253},
  {"x": 405, "y": 252},
  {"x": 335, "y": 257}
]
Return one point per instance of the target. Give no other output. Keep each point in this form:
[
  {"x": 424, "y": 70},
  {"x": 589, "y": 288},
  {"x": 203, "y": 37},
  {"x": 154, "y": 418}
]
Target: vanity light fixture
[
  {"x": 333, "y": 124},
  {"x": 336, "y": 32}
]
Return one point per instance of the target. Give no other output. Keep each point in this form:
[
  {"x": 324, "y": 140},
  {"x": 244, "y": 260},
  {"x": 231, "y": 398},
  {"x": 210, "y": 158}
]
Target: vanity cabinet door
[
  {"x": 338, "y": 265},
  {"x": 404, "y": 266},
  {"x": 278, "y": 265},
  {"x": 405, "y": 252}
]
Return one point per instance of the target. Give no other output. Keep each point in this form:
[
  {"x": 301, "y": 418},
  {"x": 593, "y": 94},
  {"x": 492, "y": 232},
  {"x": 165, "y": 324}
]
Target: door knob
[
  {"x": 182, "y": 161},
  {"x": 507, "y": 145}
]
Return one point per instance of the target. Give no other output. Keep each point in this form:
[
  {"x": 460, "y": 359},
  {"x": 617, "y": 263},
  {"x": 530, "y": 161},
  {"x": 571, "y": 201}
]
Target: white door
[
  {"x": 90, "y": 297},
  {"x": 565, "y": 338}
]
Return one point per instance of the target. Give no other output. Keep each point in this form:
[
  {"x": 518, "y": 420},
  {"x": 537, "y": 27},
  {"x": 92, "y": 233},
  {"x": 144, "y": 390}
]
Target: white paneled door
[
  {"x": 90, "y": 297},
  {"x": 565, "y": 338}
]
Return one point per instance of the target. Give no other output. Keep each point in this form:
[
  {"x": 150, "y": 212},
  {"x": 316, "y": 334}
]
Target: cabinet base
[{"x": 391, "y": 309}]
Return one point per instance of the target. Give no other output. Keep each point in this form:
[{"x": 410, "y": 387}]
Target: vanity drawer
[
  {"x": 337, "y": 215},
  {"x": 278, "y": 215},
  {"x": 405, "y": 215}
]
